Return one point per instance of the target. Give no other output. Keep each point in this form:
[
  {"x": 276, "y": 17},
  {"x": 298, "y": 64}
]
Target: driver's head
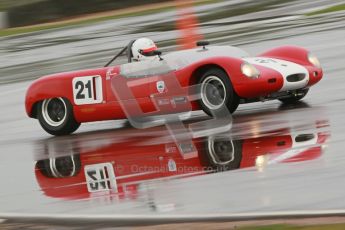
[{"x": 142, "y": 49}]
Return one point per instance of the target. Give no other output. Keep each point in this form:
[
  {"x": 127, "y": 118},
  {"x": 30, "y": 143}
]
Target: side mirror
[{"x": 203, "y": 44}]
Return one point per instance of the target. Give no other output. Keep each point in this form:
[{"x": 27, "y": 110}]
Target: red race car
[
  {"x": 223, "y": 76},
  {"x": 75, "y": 168}
]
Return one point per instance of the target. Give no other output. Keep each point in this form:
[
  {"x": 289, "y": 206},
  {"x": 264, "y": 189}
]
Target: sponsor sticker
[
  {"x": 172, "y": 165},
  {"x": 160, "y": 86}
]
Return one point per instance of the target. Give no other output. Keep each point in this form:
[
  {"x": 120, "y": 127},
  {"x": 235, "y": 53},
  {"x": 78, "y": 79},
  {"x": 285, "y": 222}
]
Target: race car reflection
[{"x": 120, "y": 167}]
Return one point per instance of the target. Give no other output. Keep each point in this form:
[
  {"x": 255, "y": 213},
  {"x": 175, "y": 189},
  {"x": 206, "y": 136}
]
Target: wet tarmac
[{"x": 288, "y": 159}]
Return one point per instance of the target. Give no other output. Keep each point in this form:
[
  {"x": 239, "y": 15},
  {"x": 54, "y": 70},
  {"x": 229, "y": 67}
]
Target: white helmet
[{"x": 143, "y": 46}]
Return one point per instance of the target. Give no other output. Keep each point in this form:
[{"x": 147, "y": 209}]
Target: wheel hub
[
  {"x": 54, "y": 111},
  {"x": 213, "y": 92}
]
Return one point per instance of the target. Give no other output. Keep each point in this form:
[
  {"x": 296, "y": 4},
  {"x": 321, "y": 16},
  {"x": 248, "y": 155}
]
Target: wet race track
[{"x": 288, "y": 160}]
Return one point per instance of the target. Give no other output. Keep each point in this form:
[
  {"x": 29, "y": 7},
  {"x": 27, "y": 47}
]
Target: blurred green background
[{"x": 29, "y": 12}]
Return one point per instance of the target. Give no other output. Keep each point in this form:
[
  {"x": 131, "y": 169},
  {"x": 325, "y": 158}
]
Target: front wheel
[
  {"x": 56, "y": 116},
  {"x": 216, "y": 91},
  {"x": 295, "y": 98},
  {"x": 223, "y": 153}
]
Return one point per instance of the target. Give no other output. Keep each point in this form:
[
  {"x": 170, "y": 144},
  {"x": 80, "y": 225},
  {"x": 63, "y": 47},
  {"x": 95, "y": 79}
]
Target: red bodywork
[
  {"x": 60, "y": 85},
  {"x": 134, "y": 163}
]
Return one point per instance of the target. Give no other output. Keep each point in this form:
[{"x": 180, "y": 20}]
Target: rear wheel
[
  {"x": 60, "y": 167},
  {"x": 294, "y": 98},
  {"x": 56, "y": 116},
  {"x": 216, "y": 91}
]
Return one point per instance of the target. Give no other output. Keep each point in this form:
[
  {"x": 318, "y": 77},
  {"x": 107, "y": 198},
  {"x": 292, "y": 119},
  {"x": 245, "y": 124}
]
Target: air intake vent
[
  {"x": 304, "y": 137},
  {"x": 295, "y": 77}
]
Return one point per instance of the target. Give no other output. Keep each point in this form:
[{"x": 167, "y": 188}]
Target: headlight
[
  {"x": 249, "y": 70},
  {"x": 314, "y": 60}
]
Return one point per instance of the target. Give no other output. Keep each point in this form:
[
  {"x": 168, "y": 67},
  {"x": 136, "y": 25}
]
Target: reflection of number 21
[
  {"x": 95, "y": 185},
  {"x": 80, "y": 86}
]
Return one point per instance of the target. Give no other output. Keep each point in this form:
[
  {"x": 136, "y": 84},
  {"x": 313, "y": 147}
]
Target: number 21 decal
[{"x": 87, "y": 90}]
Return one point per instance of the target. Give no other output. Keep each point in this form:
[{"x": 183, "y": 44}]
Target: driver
[{"x": 141, "y": 49}]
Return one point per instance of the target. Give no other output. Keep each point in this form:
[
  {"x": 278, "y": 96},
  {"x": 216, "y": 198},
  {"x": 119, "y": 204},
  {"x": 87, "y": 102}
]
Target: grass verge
[
  {"x": 99, "y": 17},
  {"x": 328, "y": 10},
  {"x": 293, "y": 227}
]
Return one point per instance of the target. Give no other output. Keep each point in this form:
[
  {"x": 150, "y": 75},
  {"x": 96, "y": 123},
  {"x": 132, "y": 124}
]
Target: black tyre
[
  {"x": 56, "y": 116},
  {"x": 216, "y": 91},
  {"x": 293, "y": 99},
  {"x": 223, "y": 153},
  {"x": 60, "y": 167}
]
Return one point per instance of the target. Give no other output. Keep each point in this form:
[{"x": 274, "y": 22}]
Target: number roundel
[{"x": 87, "y": 90}]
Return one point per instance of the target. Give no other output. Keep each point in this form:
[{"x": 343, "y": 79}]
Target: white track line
[{"x": 171, "y": 217}]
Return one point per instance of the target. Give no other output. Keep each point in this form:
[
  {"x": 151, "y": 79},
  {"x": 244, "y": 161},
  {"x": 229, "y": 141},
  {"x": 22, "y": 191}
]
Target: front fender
[
  {"x": 243, "y": 86},
  {"x": 44, "y": 88},
  {"x": 294, "y": 54},
  {"x": 298, "y": 55}
]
